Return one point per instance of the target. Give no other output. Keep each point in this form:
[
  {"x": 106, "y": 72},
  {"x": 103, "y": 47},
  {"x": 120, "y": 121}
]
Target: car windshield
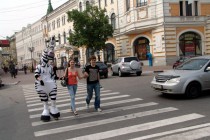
[
  {"x": 193, "y": 64},
  {"x": 129, "y": 59}
]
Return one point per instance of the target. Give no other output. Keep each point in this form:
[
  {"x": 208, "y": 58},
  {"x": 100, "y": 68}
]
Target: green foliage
[{"x": 91, "y": 28}]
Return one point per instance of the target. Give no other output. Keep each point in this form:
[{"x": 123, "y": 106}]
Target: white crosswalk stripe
[{"x": 118, "y": 109}]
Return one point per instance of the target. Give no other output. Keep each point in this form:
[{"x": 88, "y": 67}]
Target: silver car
[
  {"x": 126, "y": 65},
  {"x": 190, "y": 78}
]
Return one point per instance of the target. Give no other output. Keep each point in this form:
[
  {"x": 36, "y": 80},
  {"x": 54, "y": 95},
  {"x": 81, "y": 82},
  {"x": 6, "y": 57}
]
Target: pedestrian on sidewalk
[
  {"x": 72, "y": 73},
  {"x": 12, "y": 70},
  {"x": 25, "y": 68},
  {"x": 93, "y": 78}
]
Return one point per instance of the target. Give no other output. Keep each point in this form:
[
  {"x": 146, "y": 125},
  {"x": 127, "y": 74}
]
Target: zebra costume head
[{"x": 48, "y": 53}]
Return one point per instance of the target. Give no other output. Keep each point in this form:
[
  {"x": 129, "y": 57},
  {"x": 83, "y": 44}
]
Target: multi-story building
[{"x": 167, "y": 29}]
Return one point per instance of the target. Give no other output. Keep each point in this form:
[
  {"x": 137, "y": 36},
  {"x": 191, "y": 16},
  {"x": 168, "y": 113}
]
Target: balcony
[
  {"x": 139, "y": 19},
  {"x": 186, "y": 20}
]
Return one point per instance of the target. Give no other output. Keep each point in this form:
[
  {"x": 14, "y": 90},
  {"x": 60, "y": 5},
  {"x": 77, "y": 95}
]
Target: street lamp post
[{"x": 31, "y": 49}]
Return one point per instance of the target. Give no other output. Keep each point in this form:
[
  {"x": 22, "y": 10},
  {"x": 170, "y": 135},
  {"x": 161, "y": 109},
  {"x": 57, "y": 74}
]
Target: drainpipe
[{"x": 164, "y": 32}]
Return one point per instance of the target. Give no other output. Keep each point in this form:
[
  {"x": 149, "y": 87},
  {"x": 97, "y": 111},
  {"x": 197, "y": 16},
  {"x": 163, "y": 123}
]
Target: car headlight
[
  {"x": 154, "y": 79},
  {"x": 174, "y": 80}
]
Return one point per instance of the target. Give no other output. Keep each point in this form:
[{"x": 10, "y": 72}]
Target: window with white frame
[
  {"x": 113, "y": 21},
  {"x": 141, "y": 3},
  {"x": 127, "y": 5},
  {"x": 80, "y": 6}
]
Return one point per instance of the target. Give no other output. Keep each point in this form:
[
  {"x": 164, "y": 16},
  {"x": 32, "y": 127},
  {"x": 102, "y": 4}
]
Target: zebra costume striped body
[{"x": 45, "y": 83}]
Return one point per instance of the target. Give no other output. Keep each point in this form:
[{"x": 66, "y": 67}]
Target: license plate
[
  {"x": 132, "y": 72},
  {"x": 158, "y": 86}
]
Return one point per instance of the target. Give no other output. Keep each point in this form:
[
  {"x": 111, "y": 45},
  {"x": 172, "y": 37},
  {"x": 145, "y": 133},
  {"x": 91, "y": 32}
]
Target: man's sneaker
[
  {"x": 99, "y": 109},
  {"x": 87, "y": 106}
]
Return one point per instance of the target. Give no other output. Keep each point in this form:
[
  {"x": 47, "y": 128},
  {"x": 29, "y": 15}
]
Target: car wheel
[
  {"x": 138, "y": 73},
  {"x": 120, "y": 73},
  {"x": 193, "y": 90}
]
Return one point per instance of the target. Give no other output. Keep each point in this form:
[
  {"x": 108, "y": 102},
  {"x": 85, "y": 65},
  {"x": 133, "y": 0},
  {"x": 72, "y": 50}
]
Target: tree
[{"x": 91, "y": 28}]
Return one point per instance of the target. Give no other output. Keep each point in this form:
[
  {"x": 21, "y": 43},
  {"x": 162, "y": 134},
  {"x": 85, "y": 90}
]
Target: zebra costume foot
[
  {"x": 54, "y": 112},
  {"x": 45, "y": 117}
]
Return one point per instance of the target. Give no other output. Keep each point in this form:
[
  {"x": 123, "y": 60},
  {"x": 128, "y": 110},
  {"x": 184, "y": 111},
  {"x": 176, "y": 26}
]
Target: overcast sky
[{"x": 15, "y": 14}]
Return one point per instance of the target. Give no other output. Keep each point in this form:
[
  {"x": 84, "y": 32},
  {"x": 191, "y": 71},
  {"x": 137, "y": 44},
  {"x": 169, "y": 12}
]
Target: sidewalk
[{"x": 28, "y": 78}]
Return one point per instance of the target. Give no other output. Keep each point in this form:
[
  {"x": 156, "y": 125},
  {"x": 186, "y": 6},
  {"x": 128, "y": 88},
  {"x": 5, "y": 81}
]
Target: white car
[
  {"x": 126, "y": 65},
  {"x": 190, "y": 78}
]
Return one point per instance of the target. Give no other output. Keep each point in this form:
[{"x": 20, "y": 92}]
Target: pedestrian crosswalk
[{"x": 123, "y": 117}]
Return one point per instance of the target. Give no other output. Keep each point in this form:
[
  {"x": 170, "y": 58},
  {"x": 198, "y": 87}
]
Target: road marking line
[
  {"x": 172, "y": 132},
  {"x": 123, "y": 108},
  {"x": 83, "y": 108},
  {"x": 191, "y": 135},
  {"x": 82, "y": 102},
  {"x": 61, "y": 94},
  {"x": 104, "y": 121},
  {"x": 135, "y": 128},
  {"x": 68, "y": 99}
]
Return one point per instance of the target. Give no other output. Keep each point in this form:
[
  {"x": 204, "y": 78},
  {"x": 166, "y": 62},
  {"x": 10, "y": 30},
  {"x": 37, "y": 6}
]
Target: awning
[{"x": 4, "y": 43}]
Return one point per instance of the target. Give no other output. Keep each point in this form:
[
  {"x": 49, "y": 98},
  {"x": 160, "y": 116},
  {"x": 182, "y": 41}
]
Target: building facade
[{"x": 168, "y": 29}]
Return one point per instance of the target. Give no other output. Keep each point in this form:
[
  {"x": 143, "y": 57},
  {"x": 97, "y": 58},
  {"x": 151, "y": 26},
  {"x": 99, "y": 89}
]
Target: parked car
[
  {"x": 126, "y": 65},
  {"x": 180, "y": 61},
  {"x": 103, "y": 68},
  {"x": 190, "y": 78}
]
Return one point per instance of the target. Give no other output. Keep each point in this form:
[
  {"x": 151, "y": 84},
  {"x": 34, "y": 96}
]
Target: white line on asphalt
[
  {"x": 135, "y": 128},
  {"x": 191, "y": 135},
  {"x": 103, "y": 105},
  {"x": 123, "y": 108},
  {"x": 101, "y": 122},
  {"x": 68, "y": 99},
  {"x": 82, "y": 102},
  {"x": 64, "y": 96}
]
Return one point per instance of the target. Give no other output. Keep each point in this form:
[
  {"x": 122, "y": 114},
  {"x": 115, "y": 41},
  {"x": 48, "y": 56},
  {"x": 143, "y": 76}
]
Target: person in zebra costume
[{"x": 45, "y": 84}]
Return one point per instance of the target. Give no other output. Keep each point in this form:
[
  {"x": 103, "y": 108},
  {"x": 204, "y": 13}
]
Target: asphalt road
[{"x": 131, "y": 109}]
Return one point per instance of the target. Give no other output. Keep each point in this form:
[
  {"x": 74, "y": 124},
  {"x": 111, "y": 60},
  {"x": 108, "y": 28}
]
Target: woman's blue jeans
[
  {"x": 72, "y": 89},
  {"x": 96, "y": 88}
]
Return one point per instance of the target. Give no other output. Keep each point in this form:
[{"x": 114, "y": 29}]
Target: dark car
[
  {"x": 180, "y": 61},
  {"x": 103, "y": 68}
]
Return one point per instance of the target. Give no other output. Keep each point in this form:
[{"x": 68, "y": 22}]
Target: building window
[
  {"x": 59, "y": 38},
  {"x": 58, "y": 22},
  {"x": 53, "y": 25},
  {"x": 190, "y": 44},
  {"x": 196, "y": 7},
  {"x": 105, "y": 2},
  {"x": 80, "y": 6},
  {"x": 64, "y": 20},
  {"x": 64, "y": 37},
  {"x": 127, "y": 5},
  {"x": 141, "y": 3},
  {"x": 113, "y": 21},
  {"x": 49, "y": 27},
  {"x": 112, "y": 1},
  {"x": 70, "y": 32},
  {"x": 87, "y": 4},
  {"x": 181, "y": 8},
  {"x": 99, "y": 3},
  {"x": 188, "y": 8}
]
